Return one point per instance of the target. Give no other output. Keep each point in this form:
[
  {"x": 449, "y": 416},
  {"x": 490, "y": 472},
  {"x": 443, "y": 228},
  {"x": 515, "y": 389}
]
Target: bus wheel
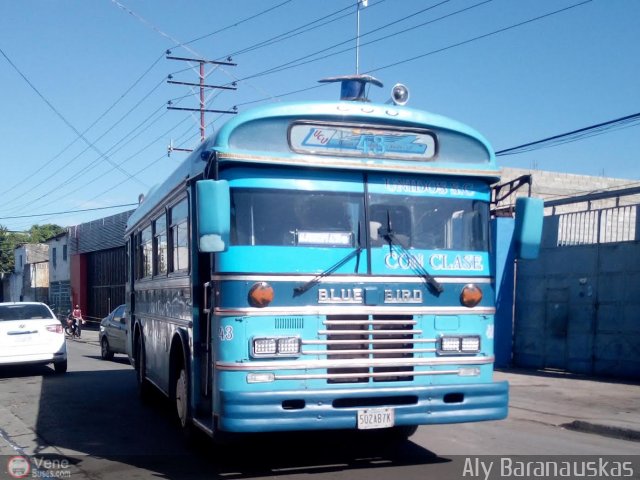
[
  {"x": 183, "y": 412},
  {"x": 144, "y": 387},
  {"x": 182, "y": 398}
]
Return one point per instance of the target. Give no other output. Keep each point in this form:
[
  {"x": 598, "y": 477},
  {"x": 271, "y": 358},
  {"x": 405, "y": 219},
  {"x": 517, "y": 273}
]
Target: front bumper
[{"x": 337, "y": 408}]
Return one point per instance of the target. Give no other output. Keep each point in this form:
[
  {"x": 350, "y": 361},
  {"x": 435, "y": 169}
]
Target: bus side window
[
  {"x": 466, "y": 231},
  {"x": 179, "y": 237}
]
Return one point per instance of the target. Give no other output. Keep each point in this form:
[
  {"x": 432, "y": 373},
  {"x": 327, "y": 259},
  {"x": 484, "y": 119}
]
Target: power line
[
  {"x": 70, "y": 211},
  {"x": 417, "y": 57},
  {"x": 301, "y": 29},
  {"x": 479, "y": 37},
  {"x": 100, "y": 117},
  {"x": 244, "y": 20},
  {"x": 63, "y": 118},
  {"x": 580, "y": 133},
  {"x": 84, "y": 170},
  {"x": 297, "y": 62}
]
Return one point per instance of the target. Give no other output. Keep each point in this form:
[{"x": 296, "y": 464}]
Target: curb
[{"x": 604, "y": 430}]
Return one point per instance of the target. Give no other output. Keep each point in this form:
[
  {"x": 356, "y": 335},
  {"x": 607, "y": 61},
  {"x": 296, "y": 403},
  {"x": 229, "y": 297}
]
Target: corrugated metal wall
[
  {"x": 102, "y": 234},
  {"x": 100, "y": 243},
  {"x": 106, "y": 277}
]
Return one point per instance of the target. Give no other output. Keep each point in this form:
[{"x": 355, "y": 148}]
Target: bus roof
[
  {"x": 411, "y": 141},
  {"x": 414, "y": 141}
]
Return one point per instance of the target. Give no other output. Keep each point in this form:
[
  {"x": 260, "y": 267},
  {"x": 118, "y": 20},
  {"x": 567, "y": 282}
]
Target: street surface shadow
[
  {"x": 17, "y": 371},
  {"x": 122, "y": 360},
  {"x": 99, "y": 414}
]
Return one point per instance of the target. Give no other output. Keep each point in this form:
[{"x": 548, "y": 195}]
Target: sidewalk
[
  {"x": 595, "y": 405},
  {"x": 602, "y": 406}
]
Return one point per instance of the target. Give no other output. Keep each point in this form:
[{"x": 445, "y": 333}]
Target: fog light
[
  {"x": 470, "y": 344},
  {"x": 264, "y": 346},
  {"x": 289, "y": 346},
  {"x": 462, "y": 344},
  {"x": 450, "y": 344},
  {"x": 275, "y": 346}
]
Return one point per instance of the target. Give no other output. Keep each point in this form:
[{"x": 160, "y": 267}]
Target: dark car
[{"x": 113, "y": 333}]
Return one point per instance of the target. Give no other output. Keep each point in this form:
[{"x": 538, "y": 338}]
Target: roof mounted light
[{"x": 399, "y": 94}]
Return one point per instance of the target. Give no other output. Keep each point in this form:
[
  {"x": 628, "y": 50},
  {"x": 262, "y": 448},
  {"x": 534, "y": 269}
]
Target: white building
[
  {"x": 59, "y": 273},
  {"x": 30, "y": 280}
]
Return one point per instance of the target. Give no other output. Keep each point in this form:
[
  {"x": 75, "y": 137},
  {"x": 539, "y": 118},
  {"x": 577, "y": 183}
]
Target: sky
[{"x": 85, "y": 125}]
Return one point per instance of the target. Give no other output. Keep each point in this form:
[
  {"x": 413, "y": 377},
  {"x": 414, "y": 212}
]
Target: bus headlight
[
  {"x": 275, "y": 346},
  {"x": 459, "y": 345}
]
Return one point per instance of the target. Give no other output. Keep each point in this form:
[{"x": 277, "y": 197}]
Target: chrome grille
[{"x": 357, "y": 337}]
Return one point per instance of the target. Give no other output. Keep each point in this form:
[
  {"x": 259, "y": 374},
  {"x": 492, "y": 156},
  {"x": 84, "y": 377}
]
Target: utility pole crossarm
[
  {"x": 201, "y": 110},
  {"x": 201, "y": 85},
  {"x": 199, "y": 60},
  {"x": 223, "y": 87}
]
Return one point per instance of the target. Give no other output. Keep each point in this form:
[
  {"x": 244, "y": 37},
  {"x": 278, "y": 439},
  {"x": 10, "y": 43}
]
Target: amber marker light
[
  {"x": 261, "y": 294},
  {"x": 471, "y": 295}
]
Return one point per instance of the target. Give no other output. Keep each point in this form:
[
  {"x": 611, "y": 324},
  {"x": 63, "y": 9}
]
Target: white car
[{"x": 30, "y": 333}]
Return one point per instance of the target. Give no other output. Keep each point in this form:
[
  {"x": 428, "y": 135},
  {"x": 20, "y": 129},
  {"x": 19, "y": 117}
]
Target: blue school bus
[{"x": 323, "y": 265}]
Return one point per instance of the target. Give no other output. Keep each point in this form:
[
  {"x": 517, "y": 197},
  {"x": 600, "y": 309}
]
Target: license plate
[{"x": 376, "y": 418}]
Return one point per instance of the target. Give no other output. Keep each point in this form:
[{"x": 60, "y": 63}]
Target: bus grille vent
[
  {"x": 288, "y": 323},
  {"x": 370, "y": 337}
]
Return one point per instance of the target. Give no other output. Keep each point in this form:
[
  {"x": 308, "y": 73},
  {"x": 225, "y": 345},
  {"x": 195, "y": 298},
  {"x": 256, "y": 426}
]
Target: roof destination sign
[{"x": 362, "y": 141}]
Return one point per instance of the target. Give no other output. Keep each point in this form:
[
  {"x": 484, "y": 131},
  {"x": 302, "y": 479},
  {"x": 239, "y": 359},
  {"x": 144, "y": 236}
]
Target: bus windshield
[
  {"x": 430, "y": 223},
  {"x": 272, "y": 217},
  {"x": 295, "y": 218}
]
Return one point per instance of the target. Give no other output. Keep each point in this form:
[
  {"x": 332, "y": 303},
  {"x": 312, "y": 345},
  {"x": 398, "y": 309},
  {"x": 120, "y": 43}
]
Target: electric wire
[
  {"x": 417, "y": 57},
  {"x": 40, "y": 168},
  {"x": 574, "y": 135},
  {"x": 480, "y": 37},
  {"x": 78, "y": 174},
  {"x": 62, "y": 117},
  {"x": 69, "y": 211},
  {"x": 235, "y": 24},
  {"x": 299, "y": 61}
]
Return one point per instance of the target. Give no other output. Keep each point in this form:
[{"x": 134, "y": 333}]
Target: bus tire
[
  {"x": 181, "y": 402},
  {"x": 144, "y": 386}
]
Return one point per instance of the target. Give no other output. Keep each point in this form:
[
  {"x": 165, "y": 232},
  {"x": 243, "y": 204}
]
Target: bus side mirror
[
  {"x": 528, "y": 227},
  {"x": 214, "y": 217}
]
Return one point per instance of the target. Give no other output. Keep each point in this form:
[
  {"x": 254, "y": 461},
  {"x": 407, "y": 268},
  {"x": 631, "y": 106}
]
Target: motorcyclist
[{"x": 76, "y": 315}]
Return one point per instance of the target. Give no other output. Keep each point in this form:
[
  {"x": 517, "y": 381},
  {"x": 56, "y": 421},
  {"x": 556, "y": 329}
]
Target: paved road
[{"x": 91, "y": 422}]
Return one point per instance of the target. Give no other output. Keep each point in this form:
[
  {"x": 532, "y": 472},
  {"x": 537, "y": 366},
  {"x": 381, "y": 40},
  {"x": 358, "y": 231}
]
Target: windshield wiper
[
  {"x": 389, "y": 235},
  {"x": 314, "y": 281}
]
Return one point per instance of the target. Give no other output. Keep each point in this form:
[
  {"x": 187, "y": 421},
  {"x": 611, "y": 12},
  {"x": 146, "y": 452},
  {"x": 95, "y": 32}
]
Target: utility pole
[
  {"x": 202, "y": 86},
  {"x": 364, "y": 4}
]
